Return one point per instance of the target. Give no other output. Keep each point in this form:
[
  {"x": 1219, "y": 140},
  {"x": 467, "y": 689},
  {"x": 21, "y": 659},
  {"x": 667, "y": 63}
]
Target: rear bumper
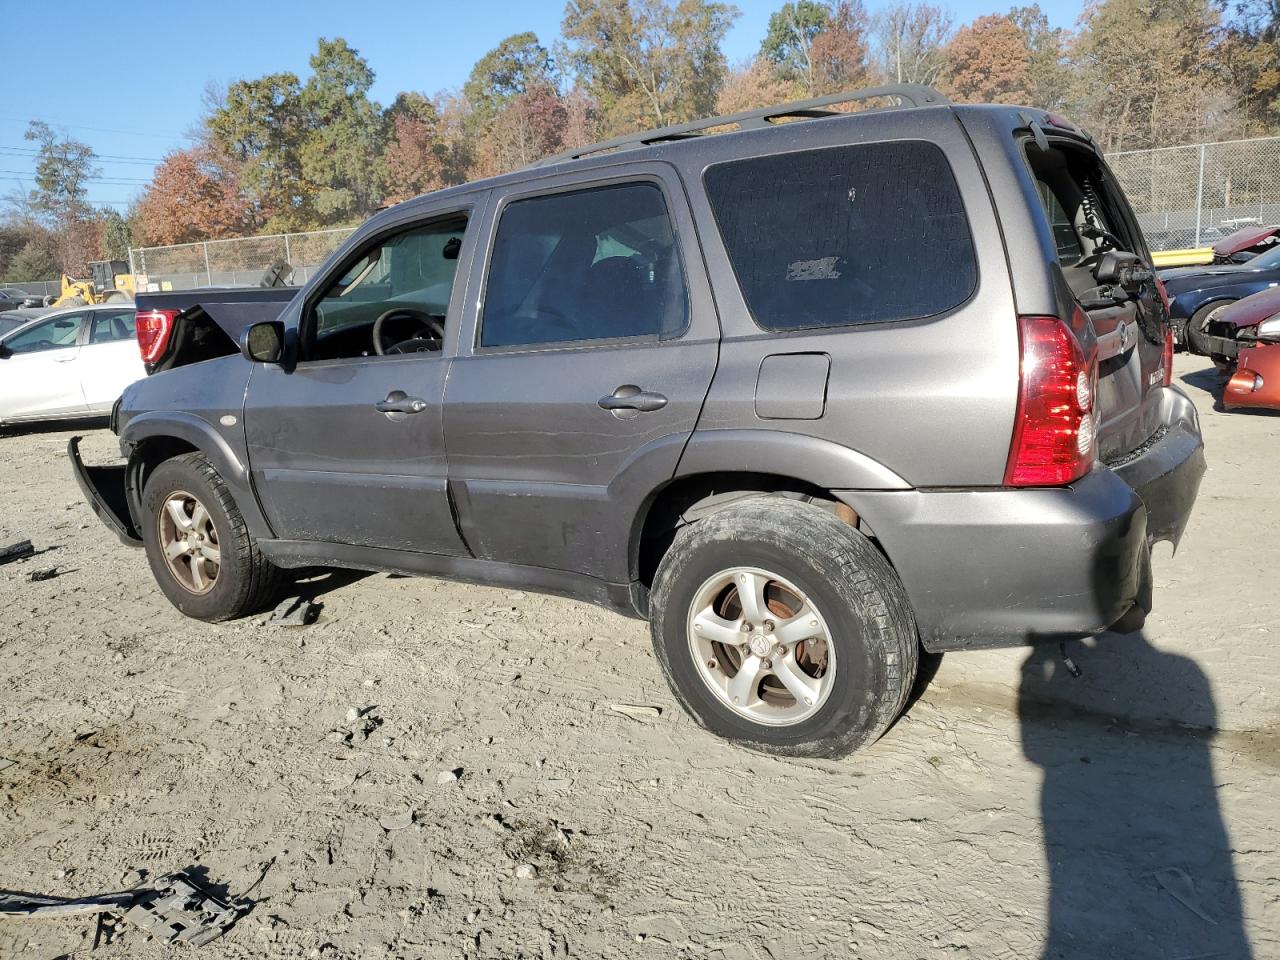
[
  {"x": 994, "y": 568},
  {"x": 104, "y": 489}
]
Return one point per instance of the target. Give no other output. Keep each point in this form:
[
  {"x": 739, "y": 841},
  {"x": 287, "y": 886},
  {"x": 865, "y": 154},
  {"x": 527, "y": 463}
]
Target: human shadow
[{"x": 1139, "y": 861}]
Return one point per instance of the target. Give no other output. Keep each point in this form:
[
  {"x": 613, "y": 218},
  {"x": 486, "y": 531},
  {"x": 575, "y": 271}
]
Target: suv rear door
[
  {"x": 591, "y": 345},
  {"x": 1079, "y": 196}
]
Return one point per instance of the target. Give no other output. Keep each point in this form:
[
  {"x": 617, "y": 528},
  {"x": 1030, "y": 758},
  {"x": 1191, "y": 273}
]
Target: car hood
[{"x": 1252, "y": 310}]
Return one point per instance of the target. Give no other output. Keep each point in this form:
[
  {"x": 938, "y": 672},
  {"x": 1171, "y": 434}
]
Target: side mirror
[
  {"x": 263, "y": 342},
  {"x": 1125, "y": 270}
]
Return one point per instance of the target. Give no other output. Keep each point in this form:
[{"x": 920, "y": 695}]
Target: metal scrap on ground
[
  {"x": 16, "y": 551},
  {"x": 294, "y": 612},
  {"x": 173, "y": 908}
]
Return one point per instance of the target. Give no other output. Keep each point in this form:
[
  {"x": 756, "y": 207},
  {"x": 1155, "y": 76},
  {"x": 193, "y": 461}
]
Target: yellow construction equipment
[{"x": 111, "y": 281}]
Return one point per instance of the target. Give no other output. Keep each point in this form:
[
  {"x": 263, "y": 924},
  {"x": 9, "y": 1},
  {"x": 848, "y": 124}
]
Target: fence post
[
  {"x": 287, "y": 258},
  {"x": 1200, "y": 195},
  {"x": 208, "y": 274}
]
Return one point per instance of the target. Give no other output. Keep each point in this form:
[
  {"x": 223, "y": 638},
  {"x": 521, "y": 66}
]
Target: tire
[
  {"x": 116, "y": 296},
  {"x": 860, "y": 665},
  {"x": 1196, "y": 326},
  {"x": 242, "y": 581}
]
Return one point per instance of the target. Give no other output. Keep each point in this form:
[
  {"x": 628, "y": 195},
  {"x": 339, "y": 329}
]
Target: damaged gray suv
[{"x": 808, "y": 396}]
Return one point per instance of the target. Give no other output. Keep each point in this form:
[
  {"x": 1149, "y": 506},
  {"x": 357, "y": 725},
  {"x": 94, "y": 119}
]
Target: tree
[
  {"x": 1129, "y": 103},
  {"x": 988, "y": 62},
  {"x": 117, "y": 234},
  {"x": 414, "y": 157},
  {"x": 260, "y": 126},
  {"x": 194, "y": 195},
  {"x": 37, "y": 260},
  {"x": 910, "y": 38},
  {"x": 344, "y": 135},
  {"x": 531, "y": 126},
  {"x": 1050, "y": 75},
  {"x": 646, "y": 62},
  {"x": 517, "y": 64},
  {"x": 789, "y": 40},
  {"x": 755, "y": 84},
  {"x": 64, "y": 168},
  {"x": 839, "y": 51}
]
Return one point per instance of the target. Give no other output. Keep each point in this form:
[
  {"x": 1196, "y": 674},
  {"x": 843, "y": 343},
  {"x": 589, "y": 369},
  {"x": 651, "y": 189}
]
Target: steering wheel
[{"x": 415, "y": 344}]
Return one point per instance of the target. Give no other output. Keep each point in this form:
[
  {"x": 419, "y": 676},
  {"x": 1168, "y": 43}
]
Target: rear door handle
[
  {"x": 400, "y": 404},
  {"x": 630, "y": 397}
]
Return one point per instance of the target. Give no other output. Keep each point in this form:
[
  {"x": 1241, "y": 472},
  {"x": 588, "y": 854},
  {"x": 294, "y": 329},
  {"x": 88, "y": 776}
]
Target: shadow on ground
[{"x": 1138, "y": 857}]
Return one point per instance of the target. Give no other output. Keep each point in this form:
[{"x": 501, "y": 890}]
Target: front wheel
[
  {"x": 198, "y": 546},
  {"x": 1197, "y": 329},
  {"x": 782, "y": 628}
]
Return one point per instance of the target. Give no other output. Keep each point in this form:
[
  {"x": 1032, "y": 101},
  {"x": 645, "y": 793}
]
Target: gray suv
[{"x": 807, "y": 396}]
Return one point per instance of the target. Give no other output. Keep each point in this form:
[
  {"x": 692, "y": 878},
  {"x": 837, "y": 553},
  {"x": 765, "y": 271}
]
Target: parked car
[
  {"x": 806, "y": 396},
  {"x": 67, "y": 364},
  {"x": 1244, "y": 341},
  {"x": 9, "y": 302},
  {"x": 1240, "y": 246},
  {"x": 11, "y": 299},
  {"x": 1199, "y": 294}
]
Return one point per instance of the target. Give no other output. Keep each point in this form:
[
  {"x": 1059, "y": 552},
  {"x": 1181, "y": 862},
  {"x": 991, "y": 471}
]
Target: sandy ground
[{"x": 1014, "y": 812}]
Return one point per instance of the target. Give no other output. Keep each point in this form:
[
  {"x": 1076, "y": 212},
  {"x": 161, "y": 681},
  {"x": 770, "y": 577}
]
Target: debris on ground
[
  {"x": 172, "y": 908},
  {"x": 39, "y": 576},
  {"x": 641, "y": 712},
  {"x": 16, "y": 551},
  {"x": 1178, "y": 884},
  {"x": 446, "y": 777},
  {"x": 526, "y": 871},
  {"x": 360, "y": 723},
  {"x": 397, "y": 821},
  {"x": 295, "y": 612}
]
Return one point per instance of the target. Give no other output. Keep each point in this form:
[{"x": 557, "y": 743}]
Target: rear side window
[
  {"x": 109, "y": 326},
  {"x": 845, "y": 235},
  {"x": 596, "y": 264}
]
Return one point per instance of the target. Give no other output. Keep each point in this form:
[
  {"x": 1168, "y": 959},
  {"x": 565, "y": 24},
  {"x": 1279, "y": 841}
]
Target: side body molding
[{"x": 815, "y": 461}]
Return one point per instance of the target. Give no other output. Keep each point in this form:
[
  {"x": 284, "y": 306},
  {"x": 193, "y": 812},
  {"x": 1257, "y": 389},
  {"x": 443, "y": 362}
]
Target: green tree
[
  {"x": 64, "y": 168},
  {"x": 260, "y": 126},
  {"x": 1050, "y": 75},
  {"x": 37, "y": 260},
  {"x": 117, "y": 235},
  {"x": 517, "y": 64},
  {"x": 345, "y": 133},
  {"x": 647, "y": 62},
  {"x": 788, "y": 42}
]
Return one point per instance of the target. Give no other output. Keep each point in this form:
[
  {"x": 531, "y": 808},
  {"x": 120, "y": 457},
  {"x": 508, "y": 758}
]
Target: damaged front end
[
  {"x": 1246, "y": 342},
  {"x": 104, "y": 488}
]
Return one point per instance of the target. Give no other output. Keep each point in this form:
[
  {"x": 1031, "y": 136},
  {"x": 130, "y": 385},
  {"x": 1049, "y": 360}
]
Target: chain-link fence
[
  {"x": 240, "y": 261},
  {"x": 1192, "y": 196}
]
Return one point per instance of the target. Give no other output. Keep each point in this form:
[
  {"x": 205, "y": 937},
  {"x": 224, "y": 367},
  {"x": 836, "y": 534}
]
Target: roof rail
[{"x": 908, "y": 94}]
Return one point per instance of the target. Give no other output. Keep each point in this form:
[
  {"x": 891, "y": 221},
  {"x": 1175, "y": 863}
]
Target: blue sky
[{"x": 136, "y": 99}]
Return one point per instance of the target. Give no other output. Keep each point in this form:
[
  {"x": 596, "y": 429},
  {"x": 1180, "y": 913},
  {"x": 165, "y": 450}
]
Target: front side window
[
  {"x": 392, "y": 299},
  {"x": 845, "y": 235},
  {"x": 597, "y": 264},
  {"x": 112, "y": 325},
  {"x": 49, "y": 335}
]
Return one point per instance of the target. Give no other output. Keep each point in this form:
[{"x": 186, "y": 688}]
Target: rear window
[{"x": 845, "y": 235}]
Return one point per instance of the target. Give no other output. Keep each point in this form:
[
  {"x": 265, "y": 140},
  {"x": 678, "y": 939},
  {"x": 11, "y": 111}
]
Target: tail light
[
  {"x": 1053, "y": 431},
  {"x": 1166, "y": 359},
  {"x": 154, "y": 328}
]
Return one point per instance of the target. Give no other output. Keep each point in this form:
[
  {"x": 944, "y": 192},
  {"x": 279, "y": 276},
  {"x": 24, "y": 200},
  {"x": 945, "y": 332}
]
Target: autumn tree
[
  {"x": 988, "y": 62},
  {"x": 194, "y": 195},
  {"x": 648, "y": 62},
  {"x": 413, "y": 161},
  {"x": 839, "y": 52},
  {"x": 755, "y": 84},
  {"x": 909, "y": 41},
  {"x": 529, "y": 127},
  {"x": 1145, "y": 74}
]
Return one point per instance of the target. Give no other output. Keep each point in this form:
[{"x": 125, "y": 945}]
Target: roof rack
[{"x": 908, "y": 94}]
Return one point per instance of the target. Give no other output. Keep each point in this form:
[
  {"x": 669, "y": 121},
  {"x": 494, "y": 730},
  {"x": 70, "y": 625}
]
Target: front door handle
[
  {"x": 397, "y": 402},
  {"x": 629, "y": 397}
]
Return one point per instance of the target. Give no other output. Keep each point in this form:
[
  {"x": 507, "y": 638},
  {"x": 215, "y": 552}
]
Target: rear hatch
[{"x": 1105, "y": 266}]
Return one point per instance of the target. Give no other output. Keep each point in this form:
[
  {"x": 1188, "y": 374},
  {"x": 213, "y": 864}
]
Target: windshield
[{"x": 1265, "y": 261}]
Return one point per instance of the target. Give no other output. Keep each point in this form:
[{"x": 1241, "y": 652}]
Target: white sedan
[{"x": 71, "y": 363}]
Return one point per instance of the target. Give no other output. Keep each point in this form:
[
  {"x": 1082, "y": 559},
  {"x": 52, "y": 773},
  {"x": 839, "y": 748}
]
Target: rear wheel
[
  {"x": 198, "y": 546},
  {"x": 782, "y": 628},
  {"x": 1198, "y": 325}
]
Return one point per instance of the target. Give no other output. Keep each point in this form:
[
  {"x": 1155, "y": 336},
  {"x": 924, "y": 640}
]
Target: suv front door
[
  {"x": 580, "y": 377},
  {"x": 345, "y": 444}
]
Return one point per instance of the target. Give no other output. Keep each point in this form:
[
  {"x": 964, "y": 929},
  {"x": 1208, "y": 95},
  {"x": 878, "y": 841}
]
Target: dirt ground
[{"x": 1014, "y": 812}]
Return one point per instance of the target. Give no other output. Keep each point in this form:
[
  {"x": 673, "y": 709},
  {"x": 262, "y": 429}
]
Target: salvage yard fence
[
  {"x": 1184, "y": 197},
  {"x": 238, "y": 261},
  {"x": 1193, "y": 195}
]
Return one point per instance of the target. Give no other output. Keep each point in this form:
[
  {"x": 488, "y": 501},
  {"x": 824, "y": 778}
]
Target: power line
[
  {"x": 117, "y": 181},
  {"x": 147, "y": 161},
  {"x": 84, "y": 126}
]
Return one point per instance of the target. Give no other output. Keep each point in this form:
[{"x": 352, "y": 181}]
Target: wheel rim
[
  {"x": 761, "y": 646},
  {"x": 190, "y": 542}
]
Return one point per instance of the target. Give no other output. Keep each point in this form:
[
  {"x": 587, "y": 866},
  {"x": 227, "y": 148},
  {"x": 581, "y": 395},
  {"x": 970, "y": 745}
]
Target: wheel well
[
  {"x": 146, "y": 456},
  {"x": 687, "y": 499}
]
